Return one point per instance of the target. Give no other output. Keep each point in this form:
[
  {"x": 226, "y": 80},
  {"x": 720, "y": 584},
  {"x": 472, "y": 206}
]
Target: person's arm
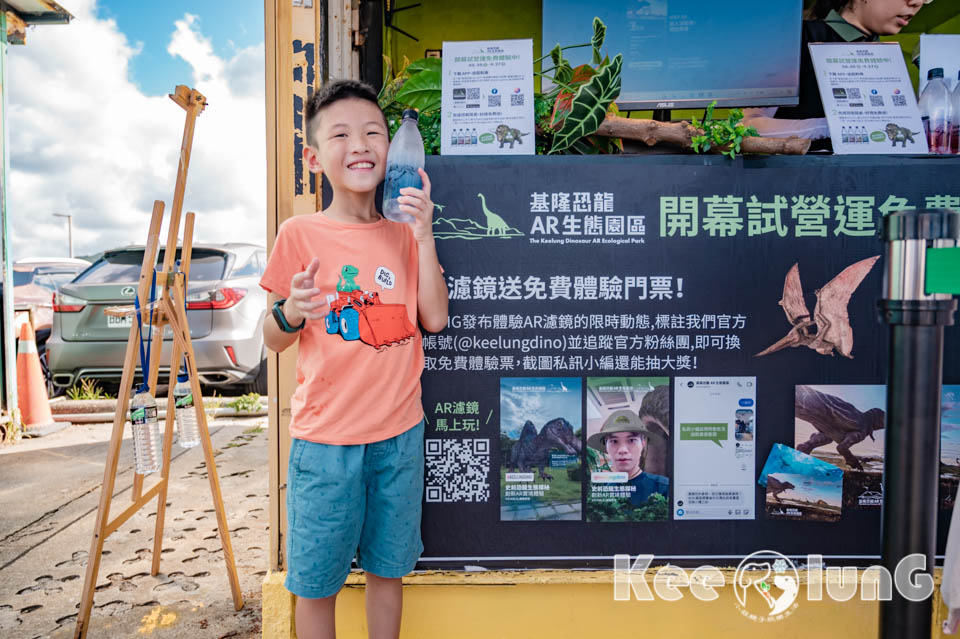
[
  {"x": 768, "y": 126},
  {"x": 298, "y": 307},
  {"x": 432, "y": 297}
]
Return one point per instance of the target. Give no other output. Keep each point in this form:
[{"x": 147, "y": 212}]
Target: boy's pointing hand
[
  {"x": 299, "y": 304},
  {"x": 417, "y": 203}
]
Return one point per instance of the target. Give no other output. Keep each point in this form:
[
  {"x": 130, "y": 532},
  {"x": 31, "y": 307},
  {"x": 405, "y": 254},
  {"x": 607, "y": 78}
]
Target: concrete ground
[{"x": 49, "y": 494}]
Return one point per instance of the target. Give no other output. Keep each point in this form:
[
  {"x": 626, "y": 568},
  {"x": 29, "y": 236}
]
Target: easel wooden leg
[
  {"x": 116, "y": 437},
  {"x": 182, "y": 336}
]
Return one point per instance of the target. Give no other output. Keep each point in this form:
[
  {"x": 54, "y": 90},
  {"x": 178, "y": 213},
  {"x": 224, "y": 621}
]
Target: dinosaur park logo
[{"x": 493, "y": 226}]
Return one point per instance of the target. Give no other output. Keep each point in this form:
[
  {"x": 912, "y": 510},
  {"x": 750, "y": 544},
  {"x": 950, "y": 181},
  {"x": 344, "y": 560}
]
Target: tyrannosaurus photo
[
  {"x": 775, "y": 486},
  {"x": 836, "y": 420}
]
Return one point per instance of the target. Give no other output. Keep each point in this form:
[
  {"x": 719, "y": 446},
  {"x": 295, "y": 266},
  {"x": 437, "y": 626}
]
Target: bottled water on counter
[
  {"x": 186, "y": 413},
  {"x": 146, "y": 433},
  {"x": 934, "y": 107},
  {"x": 953, "y": 118},
  {"x": 404, "y": 158}
]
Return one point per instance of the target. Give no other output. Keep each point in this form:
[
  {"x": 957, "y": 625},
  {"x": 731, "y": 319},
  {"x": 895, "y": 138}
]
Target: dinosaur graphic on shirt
[{"x": 356, "y": 314}]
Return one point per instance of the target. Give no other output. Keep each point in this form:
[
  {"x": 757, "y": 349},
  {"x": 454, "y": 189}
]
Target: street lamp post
[{"x": 69, "y": 229}]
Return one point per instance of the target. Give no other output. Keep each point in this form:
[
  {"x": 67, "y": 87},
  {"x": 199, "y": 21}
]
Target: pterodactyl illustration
[{"x": 829, "y": 329}]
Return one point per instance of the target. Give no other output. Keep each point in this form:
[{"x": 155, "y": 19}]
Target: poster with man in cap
[{"x": 627, "y": 442}]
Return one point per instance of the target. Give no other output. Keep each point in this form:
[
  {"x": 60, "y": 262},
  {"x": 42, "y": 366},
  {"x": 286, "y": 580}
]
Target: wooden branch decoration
[{"x": 652, "y": 132}]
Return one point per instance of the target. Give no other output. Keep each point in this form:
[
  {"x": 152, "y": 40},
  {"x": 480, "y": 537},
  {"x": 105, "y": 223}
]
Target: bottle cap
[
  {"x": 935, "y": 73},
  {"x": 183, "y": 378},
  {"x": 411, "y": 114}
]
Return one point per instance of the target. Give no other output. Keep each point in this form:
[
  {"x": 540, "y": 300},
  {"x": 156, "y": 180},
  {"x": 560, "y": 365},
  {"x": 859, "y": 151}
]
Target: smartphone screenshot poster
[{"x": 714, "y": 447}]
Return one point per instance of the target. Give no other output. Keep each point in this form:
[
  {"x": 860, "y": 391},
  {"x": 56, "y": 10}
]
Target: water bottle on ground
[
  {"x": 405, "y": 157},
  {"x": 146, "y": 433},
  {"x": 934, "y": 105},
  {"x": 953, "y": 119},
  {"x": 186, "y": 413}
]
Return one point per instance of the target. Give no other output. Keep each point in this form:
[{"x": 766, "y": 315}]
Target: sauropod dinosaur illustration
[
  {"x": 495, "y": 224},
  {"x": 900, "y": 134},
  {"x": 347, "y": 283},
  {"x": 507, "y": 135}
]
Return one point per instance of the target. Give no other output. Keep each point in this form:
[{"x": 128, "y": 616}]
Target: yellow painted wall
[
  {"x": 438, "y": 20},
  {"x": 554, "y": 604}
]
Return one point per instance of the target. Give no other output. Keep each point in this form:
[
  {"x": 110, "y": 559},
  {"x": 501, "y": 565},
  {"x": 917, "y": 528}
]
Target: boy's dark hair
[{"x": 334, "y": 92}]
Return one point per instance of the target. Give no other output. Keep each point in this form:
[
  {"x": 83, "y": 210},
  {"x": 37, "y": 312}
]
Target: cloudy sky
[{"x": 93, "y": 133}]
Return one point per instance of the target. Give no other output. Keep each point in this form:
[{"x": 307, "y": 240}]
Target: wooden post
[{"x": 294, "y": 36}]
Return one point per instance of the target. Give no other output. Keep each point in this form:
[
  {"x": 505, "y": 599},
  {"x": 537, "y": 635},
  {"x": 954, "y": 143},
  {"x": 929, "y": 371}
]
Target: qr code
[
  {"x": 516, "y": 99},
  {"x": 899, "y": 100},
  {"x": 493, "y": 101},
  {"x": 876, "y": 100},
  {"x": 473, "y": 93},
  {"x": 457, "y": 470},
  {"x": 853, "y": 94}
]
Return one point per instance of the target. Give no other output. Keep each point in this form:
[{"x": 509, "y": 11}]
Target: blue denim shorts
[{"x": 363, "y": 500}]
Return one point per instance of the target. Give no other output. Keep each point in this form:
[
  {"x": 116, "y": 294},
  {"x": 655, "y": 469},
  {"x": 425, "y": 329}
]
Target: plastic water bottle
[
  {"x": 934, "y": 105},
  {"x": 953, "y": 118},
  {"x": 146, "y": 433},
  {"x": 473, "y": 136},
  {"x": 405, "y": 157},
  {"x": 186, "y": 413}
]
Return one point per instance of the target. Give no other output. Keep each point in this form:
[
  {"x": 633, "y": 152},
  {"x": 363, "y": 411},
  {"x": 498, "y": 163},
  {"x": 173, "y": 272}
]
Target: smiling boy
[{"x": 351, "y": 288}]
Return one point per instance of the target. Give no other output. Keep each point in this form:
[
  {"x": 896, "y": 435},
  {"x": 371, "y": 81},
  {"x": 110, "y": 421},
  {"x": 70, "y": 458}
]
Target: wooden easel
[{"x": 168, "y": 310}]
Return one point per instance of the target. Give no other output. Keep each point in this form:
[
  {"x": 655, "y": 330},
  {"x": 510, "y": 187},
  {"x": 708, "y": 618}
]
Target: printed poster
[
  {"x": 714, "y": 447},
  {"x": 801, "y": 487},
  {"x": 487, "y": 100},
  {"x": 843, "y": 425},
  {"x": 628, "y": 440},
  {"x": 868, "y": 98},
  {"x": 540, "y": 447}
]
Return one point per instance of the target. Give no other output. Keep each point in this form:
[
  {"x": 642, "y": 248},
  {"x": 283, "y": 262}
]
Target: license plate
[{"x": 119, "y": 322}]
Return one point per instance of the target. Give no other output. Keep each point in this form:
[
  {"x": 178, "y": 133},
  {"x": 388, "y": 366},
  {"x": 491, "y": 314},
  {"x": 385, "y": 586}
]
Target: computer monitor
[{"x": 687, "y": 53}]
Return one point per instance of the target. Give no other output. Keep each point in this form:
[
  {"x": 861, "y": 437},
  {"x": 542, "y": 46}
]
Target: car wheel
[{"x": 259, "y": 383}]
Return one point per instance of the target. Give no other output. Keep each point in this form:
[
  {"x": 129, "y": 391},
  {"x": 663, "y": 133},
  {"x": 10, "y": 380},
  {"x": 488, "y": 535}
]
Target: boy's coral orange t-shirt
[{"x": 353, "y": 390}]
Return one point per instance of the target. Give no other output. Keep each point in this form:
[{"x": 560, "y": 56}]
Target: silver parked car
[{"x": 225, "y": 310}]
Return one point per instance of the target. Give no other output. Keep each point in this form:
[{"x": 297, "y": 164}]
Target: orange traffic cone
[{"x": 31, "y": 389}]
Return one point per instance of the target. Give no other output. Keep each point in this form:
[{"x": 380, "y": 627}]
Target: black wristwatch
[{"x": 282, "y": 319}]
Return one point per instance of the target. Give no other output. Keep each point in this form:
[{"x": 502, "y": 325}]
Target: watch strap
[{"x": 282, "y": 319}]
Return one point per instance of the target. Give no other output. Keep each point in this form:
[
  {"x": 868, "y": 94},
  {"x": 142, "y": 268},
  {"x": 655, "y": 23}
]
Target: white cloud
[{"x": 85, "y": 140}]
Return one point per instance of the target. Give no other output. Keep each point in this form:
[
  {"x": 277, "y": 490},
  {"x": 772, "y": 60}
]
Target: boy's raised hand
[
  {"x": 417, "y": 203},
  {"x": 300, "y": 304}
]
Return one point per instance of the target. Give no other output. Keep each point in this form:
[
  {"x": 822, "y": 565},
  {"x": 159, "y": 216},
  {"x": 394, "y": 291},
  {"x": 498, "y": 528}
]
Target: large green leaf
[
  {"x": 599, "y": 33},
  {"x": 421, "y": 91},
  {"x": 389, "y": 91},
  {"x": 563, "y": 73},
  {"x": 589, "y": 106},
  {"x": 556, "y": 55},
  {"x": 424, "y": 64}
]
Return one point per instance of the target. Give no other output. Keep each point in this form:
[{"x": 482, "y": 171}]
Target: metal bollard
[{"x": 914, "y": 381}]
